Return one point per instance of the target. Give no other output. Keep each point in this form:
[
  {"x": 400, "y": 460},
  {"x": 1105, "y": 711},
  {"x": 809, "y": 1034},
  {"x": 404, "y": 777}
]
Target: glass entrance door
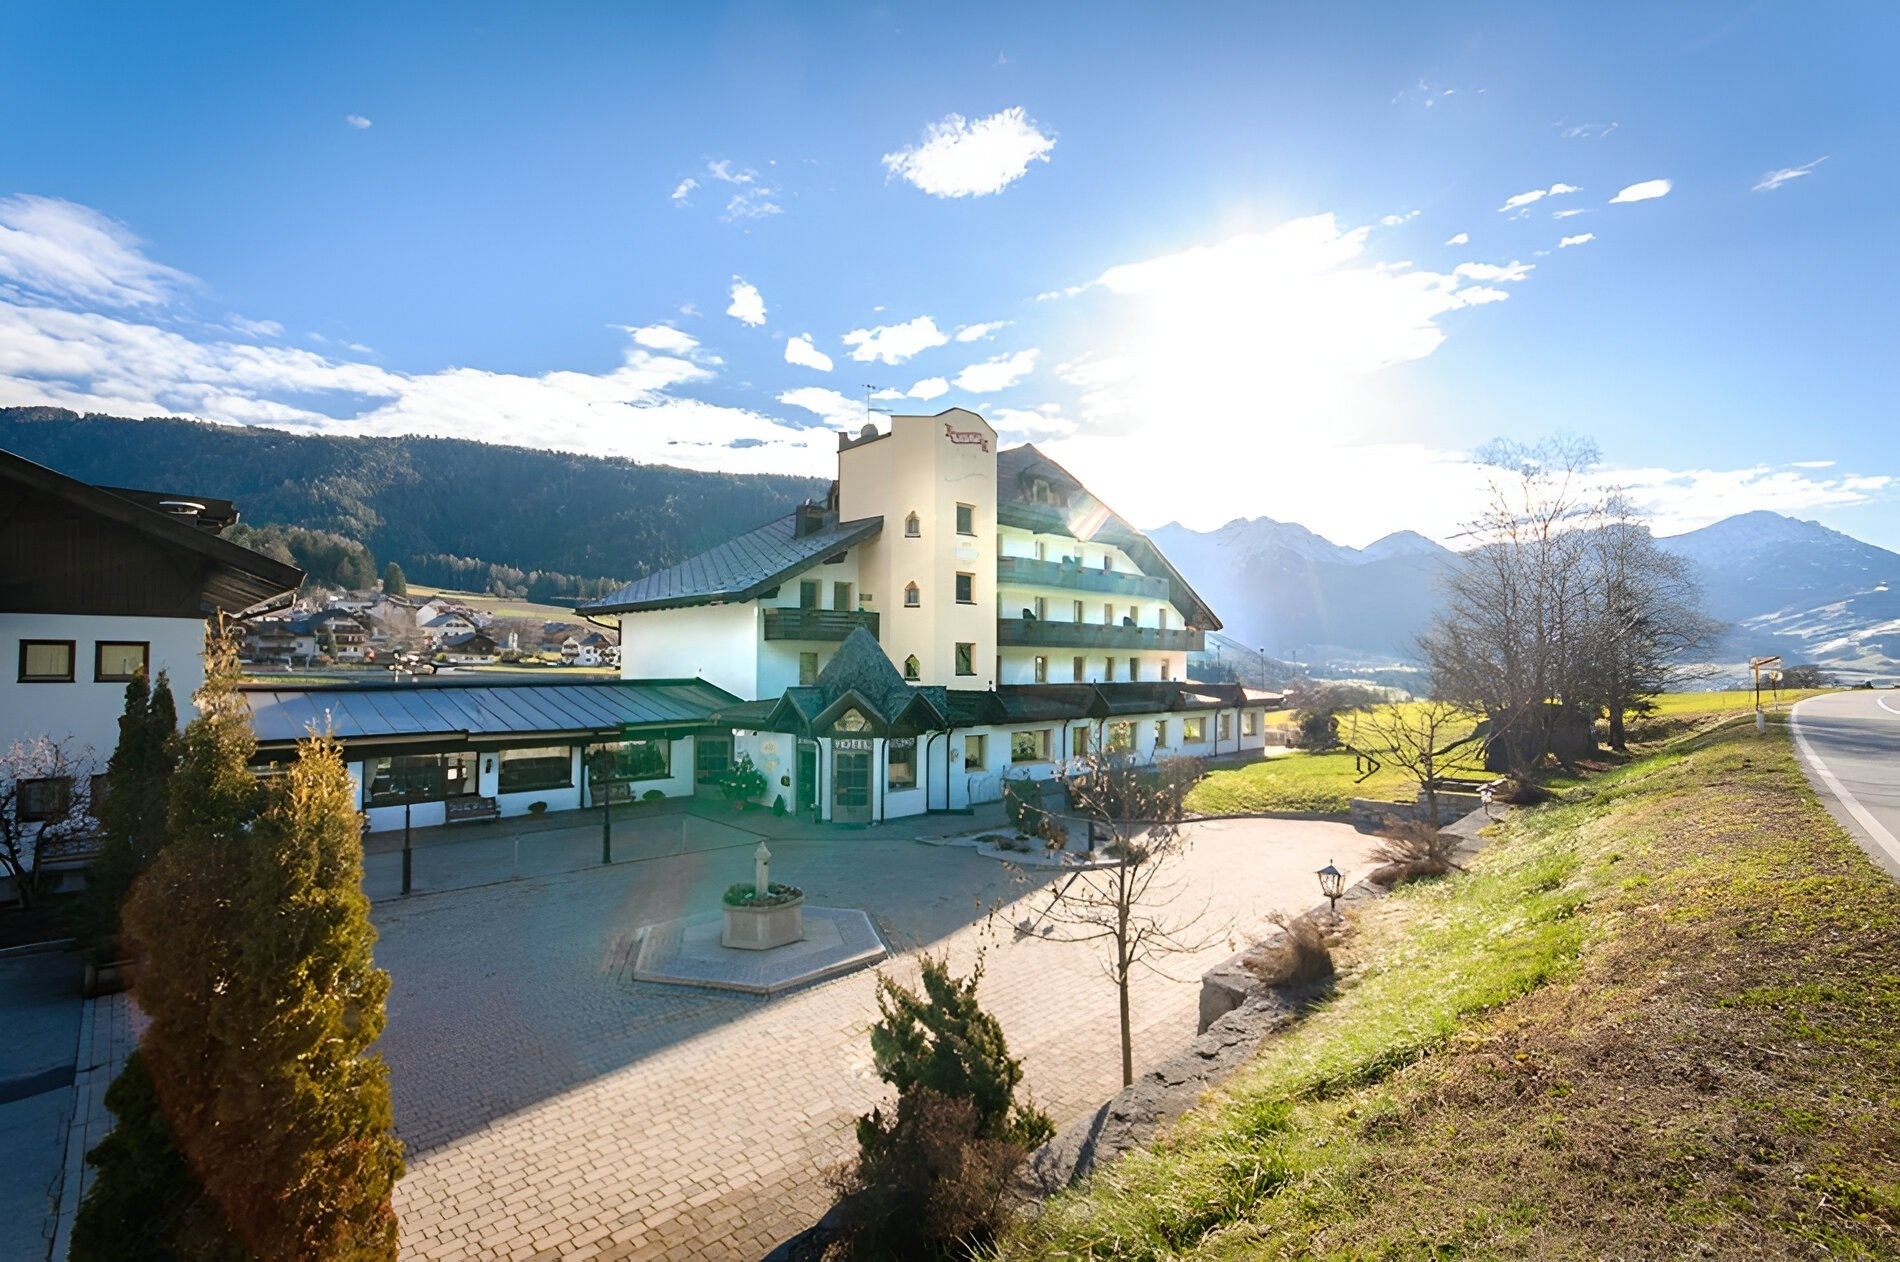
[
  {"x": 807, "y": 791},
  {"x": 851, "y": 785}
]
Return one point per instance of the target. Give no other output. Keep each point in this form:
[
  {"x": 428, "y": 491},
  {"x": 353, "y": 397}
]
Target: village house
[{"x": 950, "y": 616}]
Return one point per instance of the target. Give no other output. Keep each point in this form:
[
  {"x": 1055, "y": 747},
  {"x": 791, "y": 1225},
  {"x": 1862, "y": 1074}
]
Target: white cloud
[
  {"x": 799, "y": 350},
  {"x": 65, "y": 252},
  {"x": 963, "y": 159},
  {"x": 894, "y": 343},
  {"x": 838, "y": 410},
  {"x": 751, "y": 197},
  {"x": 1522, "y": 200},
  {"x": 887, "y": 393},
  {"x": 1040, "y": 423},
  {"x": 357, "y": 121},
  {"x": 1493, "y": 272},
  {"x": 976, "y": 332},
  {"x": 684, "y": 190},
  {"x": 1557, "y": 190},
  {"x": 1775, "y": 179},
  {"x": 1565, "y": 214},
  {"x": 1812, "y": 464},
  {"x": 1462, "y": 238},
  {"x": 929, "y": 388},
  {"x": 1589, "y": 131},
  {"x": 1583, "y": 238},
  {"x": 1393, "y": 221},
  {"x": 664, "y": 337},
  {"x": 1645, "y": 191},
  {"x": 999, "y": 372},
  {"x": 748, "y": 305},
  {"x": 255, "y": 328}
]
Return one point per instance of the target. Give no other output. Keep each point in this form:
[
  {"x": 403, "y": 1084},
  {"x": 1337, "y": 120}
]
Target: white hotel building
[{"x": 950, "y": 616}]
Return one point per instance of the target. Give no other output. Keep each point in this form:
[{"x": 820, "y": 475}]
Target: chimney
[{"x": 808, "y": 519}]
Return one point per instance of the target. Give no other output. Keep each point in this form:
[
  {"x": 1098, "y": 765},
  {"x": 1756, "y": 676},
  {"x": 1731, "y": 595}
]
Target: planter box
[{"x": 762, "y": 928}]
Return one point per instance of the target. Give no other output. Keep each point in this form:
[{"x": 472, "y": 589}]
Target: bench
[{"x": 461, "y": 810}]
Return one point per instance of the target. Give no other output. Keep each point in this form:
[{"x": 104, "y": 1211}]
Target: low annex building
[{"x": 950, "y": 616}]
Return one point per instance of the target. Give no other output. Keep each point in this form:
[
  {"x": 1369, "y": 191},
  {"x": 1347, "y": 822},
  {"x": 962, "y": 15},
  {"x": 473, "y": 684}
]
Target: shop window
[
  {"x": 46, "y": 661},
  {"x": 650, "y": 759},
  {"x": 913, "y": 596},
  {"x": 419, "y": 778},
  {"x": 900, "y": 761},
  {"x": 1121, "y": 737},
  {"x": 966, "y": 519},
  {"x": 119, "y": 661},
  {"x": 913, "y": 527},
  {"x": 966, "y": 659},
  {"x": 975, "y": 752},
  {"x": 1193, "y": 731},
  {"x": 44, "y": 798},
  {"x": 807, "y": 669},
  {"x": 912, "y": 670},
  {"x": 966, "y": 589},
  {"x": 1029, "y": 746},
  {"x": 547, "y": 767}
]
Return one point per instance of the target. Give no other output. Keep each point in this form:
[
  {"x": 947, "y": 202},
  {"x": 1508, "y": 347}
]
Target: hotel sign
[
  {"x": 850, "y": 745},
  {"x": 966, "y": 437}
]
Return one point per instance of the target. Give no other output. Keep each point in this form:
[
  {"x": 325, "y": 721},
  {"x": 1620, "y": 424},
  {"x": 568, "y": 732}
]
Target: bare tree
[
  {"x": 1134, "y": 815},
  {"x": 1421, "y": 738},
  {"x": 44, "y": 800}
]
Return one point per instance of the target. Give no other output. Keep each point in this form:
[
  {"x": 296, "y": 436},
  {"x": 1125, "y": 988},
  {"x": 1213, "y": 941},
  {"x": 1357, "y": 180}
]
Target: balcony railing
[
  {"x": 1040, "y": 633},
  {"x": 1028, "y": 572},
  {"x": 816, "y": 624}
]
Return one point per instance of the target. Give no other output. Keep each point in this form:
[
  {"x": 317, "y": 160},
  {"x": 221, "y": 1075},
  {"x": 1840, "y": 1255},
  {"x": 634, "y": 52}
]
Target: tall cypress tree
[
  {"x": 132, "y": 813},
  {"x": 256, "y": 974}
]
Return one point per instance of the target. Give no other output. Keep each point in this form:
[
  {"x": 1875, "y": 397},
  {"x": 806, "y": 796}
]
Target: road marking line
[
  {"x": 1882, "y": 703},
  {"x": 1875, "y": 830}
]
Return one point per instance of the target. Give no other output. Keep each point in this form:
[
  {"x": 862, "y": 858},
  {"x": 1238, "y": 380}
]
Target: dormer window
[
  {"x": 913, "y": 527},
  {"x": 913, "y": 597},
  {"x": 912, "y": 670}
]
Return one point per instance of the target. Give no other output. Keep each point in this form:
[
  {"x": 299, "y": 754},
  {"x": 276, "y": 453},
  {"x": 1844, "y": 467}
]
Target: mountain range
[{"x": 1784, "y": 586}]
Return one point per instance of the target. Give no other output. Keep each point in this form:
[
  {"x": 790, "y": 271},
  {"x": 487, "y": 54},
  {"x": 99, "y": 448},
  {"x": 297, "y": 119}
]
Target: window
[
  {"x": 1121, "y": 737},
  {"x": 808, "y": 594},
  {"x": 900, "y": 762},
  {"x": 419, "y": 778},
  {"x": 1224, "y": 727},
  {"x": 650, "y": 759},
  {"x": 807, "y": 669},
  {"x": 966, "y": 589},
  {"x": 46, "y": 661},
  {"x": 1134, "y": 669},
  {"x": 913, "y": 528},
  {"x": 966, "y": 519},
  {"x": 1250, "y": 723},
  {"x": 1193, "y": 731},
  {"x": 912, "y": 670},
  {"x": 1042, "y": 670},
  {"x": 966, "y": 659},
  {"x": 975, "y": 751},
  {"x": 841, "y": 597},
  {"x": 1081, "y": 669},
  {"x": 116, "y": 661},
  {"x": 913, "y": 597},
  {"x": 1108, "y": 615},
  {"x": 1042, "y": 550},
  {"x": 44, "y": 798},
  {"x": 1167, "y": 669},
  {"x": 1108, "y": 670},
  {"x": 1029, "y": 746},
  {"x": 1161, "y": 733},
  {"x": 1079, "y": 741},
  {"x": 1078, "y": 611},
  {"x": 1107, "y": 563},
  {"x": 1161, "y": 617},
  {"x": 1042, "y": 609},
  {"x": 712, "y": 758},
  {"x": 548, "y": 767}
]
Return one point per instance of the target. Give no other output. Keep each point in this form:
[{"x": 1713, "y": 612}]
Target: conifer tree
[
  {"x": 394, "y": 582},
  {"x": 256, "y": 974},
  {"x": 132, "y": 811}
]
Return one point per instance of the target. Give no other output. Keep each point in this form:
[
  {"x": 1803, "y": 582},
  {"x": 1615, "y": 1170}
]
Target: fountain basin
[{"x": 762, "y": 928}]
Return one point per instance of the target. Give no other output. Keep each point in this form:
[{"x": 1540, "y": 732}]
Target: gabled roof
[
  {"x": 1085, "y": 517},
  {"x": 859, "y": 676},
  {"x": 740, "y": 569}
]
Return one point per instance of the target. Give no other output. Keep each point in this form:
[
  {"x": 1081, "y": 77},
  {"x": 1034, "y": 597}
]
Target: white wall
[
  {"x": 84, "y": 715},
  {"x": 717, "y": 643}
]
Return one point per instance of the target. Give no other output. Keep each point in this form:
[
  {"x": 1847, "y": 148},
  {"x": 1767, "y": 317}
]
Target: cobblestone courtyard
[{"x": 555, "y": 1109}]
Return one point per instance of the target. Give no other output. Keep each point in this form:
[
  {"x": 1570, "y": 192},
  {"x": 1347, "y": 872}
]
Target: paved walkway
[
  {"x": 553, "y": 1108},
  {"x": 40, "y": 1012}
]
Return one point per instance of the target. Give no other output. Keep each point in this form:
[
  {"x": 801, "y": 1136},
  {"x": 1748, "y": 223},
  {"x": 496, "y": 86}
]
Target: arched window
[
  {"x": 911, "y": 669},
  {"x": 913, "y": 528},
  {"x": 912, "y": 596}
]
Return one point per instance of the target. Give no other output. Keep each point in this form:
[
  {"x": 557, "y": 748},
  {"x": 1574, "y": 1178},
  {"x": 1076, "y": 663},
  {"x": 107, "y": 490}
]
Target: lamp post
[
  {"x": 1332, "y": 883},
  {"x": 407, "y": 793}
]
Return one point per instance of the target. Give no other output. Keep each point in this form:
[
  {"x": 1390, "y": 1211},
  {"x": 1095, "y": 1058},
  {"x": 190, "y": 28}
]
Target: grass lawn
[
  {"x": 497, "y": 606},
  {"x": 1659, "y": 1018},
  {"x": 1298, "y": 781}
]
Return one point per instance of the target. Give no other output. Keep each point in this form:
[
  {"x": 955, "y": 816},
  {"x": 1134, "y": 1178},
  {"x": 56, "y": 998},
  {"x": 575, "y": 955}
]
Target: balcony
[
  {"x": 816, "y": 624},
  {"x": 1028, "y": 572},
  {"x": 1038, "y": 633}
]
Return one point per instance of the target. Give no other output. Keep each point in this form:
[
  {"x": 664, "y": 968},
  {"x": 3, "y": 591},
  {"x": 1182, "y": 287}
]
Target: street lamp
[{"x": 1332, "y": 883}]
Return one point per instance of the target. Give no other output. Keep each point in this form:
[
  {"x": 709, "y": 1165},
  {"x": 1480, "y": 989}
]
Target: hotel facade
[{"x": 950, "y": 616}]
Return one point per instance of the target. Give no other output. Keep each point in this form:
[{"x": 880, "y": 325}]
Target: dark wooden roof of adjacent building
[
  {"x": 744, "y": 568},
  {"x": 69, "y": 547}
]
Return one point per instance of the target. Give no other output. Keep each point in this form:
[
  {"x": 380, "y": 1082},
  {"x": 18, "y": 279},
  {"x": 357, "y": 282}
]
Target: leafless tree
[
  {"x": 44, "y": 800},
  {"x": 1135, "y": 817},
  {"x": 1421, "y": 738}
]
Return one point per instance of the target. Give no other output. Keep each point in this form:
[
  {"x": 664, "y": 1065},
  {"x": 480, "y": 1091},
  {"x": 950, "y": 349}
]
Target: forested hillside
[{"x": 540, "y": 524}]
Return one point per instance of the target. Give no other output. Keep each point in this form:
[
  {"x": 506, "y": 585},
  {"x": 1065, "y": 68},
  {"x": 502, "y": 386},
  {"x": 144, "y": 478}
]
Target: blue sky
[{"x": 1224, "y": 260}]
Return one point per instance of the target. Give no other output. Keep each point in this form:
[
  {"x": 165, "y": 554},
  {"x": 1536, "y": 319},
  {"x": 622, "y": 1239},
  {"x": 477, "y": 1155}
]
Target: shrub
[
  {"x": 1296, "y": 956},
  {"x": 1316, "y": 730},
  {"x": 778, "y": 805},
  {"x": 742, "y": 782},
  {"x": 1022, "y": 804},
  {"x": 537, "y": 808},
  {"x": 1412, "y": 850},
  {"x": 746, "y": 894},
  {"x": 653, "y": 795}
]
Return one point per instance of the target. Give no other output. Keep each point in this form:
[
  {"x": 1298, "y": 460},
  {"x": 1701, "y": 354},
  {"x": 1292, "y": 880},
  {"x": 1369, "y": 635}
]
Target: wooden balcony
[
  {"x": 1028, "y": 572},
  {"x": 1040, "y": 633},
  {"x": 817, "y": 624}
]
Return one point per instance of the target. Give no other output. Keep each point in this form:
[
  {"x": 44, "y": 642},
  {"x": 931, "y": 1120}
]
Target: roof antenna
[{"x": 868, "y": 387}]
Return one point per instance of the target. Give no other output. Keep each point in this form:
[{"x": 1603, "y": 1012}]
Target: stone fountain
[{"x": 770, "y": 916}]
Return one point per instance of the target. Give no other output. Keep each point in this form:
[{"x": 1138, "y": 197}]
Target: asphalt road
[{"x": 1849, "y": 743}]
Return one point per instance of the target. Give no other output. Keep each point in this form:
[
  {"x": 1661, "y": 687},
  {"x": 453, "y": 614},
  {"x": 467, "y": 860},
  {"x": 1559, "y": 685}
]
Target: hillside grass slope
[{"x": 1660, "y": 1018}]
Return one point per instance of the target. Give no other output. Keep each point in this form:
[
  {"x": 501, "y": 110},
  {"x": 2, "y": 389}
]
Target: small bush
[
  {"x": 746, "y": 894},
  {"x": 1296, "y": 956},
  {"x": 1519, "y": 789},
  {"x": 653, "y": 795},
  {"x": 537, "y": 808},
  {"x": 778, "y": 805},
  {"x": 1412, "y": 850}
]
